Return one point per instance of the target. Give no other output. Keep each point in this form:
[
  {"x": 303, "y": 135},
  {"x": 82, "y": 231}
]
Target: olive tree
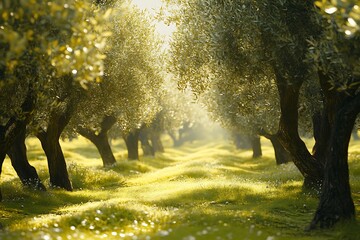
[
  {"x": 42, "y": 45},
  {"x": 217, "y": 50},
  {"x": 126, "y": 98},
  {"x": 281, "y": 34}
]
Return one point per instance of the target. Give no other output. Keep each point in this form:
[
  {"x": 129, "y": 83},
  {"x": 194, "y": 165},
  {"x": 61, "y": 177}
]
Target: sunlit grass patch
[
  {"x": 128, "y": 168},
  {"x": 211, "y": 191},
  {"x": 109, "y": 219},
  {"x": 85, "y": 178}
]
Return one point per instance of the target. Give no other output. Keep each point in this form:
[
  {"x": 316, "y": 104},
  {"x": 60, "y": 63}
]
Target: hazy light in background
[{"x": 153, "y": 8}]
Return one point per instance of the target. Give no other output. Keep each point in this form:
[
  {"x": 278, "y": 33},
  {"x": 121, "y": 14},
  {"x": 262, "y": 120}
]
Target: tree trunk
[
  {"x": 325, "y": 121},
  {"x": 10, "y": 131},
  {"x": 175, "y": 140},
  {"x": 49, "y": 138},
  {"x": 101, "y": 140},
  {"x": 59, "y": 177},
  {"x": 20, "y": 163},
  {"x": 321, "y": 125},
  {"x": 148, "y": 150},
  {"x": 335, "y": 201},
  {"x": 156, "y": 142},
  {"x": 132, "y": 143},
  {"x": 291, "y": 70},
  {"x": 281, "y": 155},
  {"x": 256, "y": 146},
  {"x": 288, "y": 135}
]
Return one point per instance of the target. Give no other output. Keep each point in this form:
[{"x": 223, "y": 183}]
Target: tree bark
[
  {"x": 281, "y": 155},
  {"x": 132, "y": 143},
  {"x": 325, "y": 121},
  {"x": 336, "y": 202},
  {"x": 288, "y": 136},
  {"x": 323, "y": 124},
  {"x": 20, "y": 163},
  {"x": 101, "y": 140},
  {"x": 10, "y": 131},
  {"x": 59, "y": 177},
  {"x": 148, "y": 150},
  {"x": 156, "y": 142},
  {"x": 256, "y": 146},
  {"x": 59, "y": 118}
]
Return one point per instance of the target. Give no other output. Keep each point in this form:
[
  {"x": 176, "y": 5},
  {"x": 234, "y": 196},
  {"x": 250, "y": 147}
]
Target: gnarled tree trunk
[
  {"x": 288, "y": 136},
  {"x": 10, "y": 131},
  {"x": 336, "y": 202},
  {"x": 323, "y": 123},
  {"x": 281, "y": 155},
  {"x": 101, "y": 140},
  {"x": 290, "y": 72},
  {"x": 19, "y": 161},
  {"x": 59, "y": 177},
  {"x": 59, "y": 118},
  {"x": 132, "y": 144},
  {"x": 322, "y": 137}
]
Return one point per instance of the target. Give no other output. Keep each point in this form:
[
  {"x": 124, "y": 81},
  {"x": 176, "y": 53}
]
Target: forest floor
[{"x": 202, "y": 190}]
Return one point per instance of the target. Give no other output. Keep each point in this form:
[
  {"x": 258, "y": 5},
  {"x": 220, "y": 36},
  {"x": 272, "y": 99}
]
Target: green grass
[{"x": 203, "y": 190}]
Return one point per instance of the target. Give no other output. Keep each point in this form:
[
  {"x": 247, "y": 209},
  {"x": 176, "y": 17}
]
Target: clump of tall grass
[{"x": 94, "y": 179}]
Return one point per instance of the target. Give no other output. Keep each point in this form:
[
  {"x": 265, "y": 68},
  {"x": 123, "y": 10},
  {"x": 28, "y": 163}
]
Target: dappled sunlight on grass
[
  {"x": 208, "y": 190},
  {"x": 85, "y": 178}
]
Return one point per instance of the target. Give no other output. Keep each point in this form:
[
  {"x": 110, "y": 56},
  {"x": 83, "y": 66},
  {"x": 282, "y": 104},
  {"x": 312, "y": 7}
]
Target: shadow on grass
[
  {"x": 86, "y": 152},
  {"x": 203, "y": 193}
]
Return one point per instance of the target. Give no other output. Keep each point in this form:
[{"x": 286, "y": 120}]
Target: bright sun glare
[{"x": 153, "y": 7}]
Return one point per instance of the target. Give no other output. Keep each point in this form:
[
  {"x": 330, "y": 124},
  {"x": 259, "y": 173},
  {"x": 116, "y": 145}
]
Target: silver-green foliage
[
  {"x": 41, "y": 42},
  {"x": 218, "y": 53},
  {"x": 132, "y": 77}
]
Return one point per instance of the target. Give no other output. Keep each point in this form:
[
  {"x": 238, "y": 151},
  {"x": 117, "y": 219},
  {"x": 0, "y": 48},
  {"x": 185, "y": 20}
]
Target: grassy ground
[{"x": 198, "y": 191}]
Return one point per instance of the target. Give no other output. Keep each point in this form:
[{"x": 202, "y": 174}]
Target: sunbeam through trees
[{"x": 179, "y": 119}]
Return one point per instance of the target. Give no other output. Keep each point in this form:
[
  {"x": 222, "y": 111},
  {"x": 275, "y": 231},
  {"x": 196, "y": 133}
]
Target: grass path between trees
[{"x": 202, "y": 190}]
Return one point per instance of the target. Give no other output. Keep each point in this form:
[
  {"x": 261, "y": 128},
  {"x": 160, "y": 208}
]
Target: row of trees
[
  {"x": 264, "y": 68},
  {"x": 48, "y": 52},
  {"x": 259, "y": 64},
  {"x": 81, "y": 67}
]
